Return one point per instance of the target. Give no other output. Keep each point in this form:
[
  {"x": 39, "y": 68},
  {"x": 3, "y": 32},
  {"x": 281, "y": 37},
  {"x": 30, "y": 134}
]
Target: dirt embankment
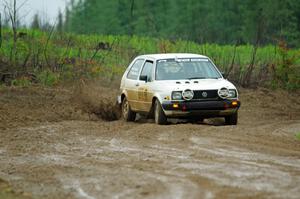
[
  {"x": 68, "y": 143},
  {"x": 84, "y": 102},
  {"x": 90, "y": 101}
]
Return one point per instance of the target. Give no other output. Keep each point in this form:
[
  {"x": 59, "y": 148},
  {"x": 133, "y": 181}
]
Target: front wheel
[
  {"x": 127, "y": 114},
  {"x": 231, "y": 119},
  {"x": 159, "y": 115}
]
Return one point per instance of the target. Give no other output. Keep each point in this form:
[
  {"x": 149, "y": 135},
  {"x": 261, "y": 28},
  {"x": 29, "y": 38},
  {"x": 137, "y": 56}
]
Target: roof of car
[{"x": 172, "y": 56}]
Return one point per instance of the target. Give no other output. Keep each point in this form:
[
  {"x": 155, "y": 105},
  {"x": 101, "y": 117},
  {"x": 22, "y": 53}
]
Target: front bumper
[{"x": 185, "y": 109}]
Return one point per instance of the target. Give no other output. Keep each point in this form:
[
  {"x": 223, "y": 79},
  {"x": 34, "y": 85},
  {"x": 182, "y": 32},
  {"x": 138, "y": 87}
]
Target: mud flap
[{"x": 119, "y": 100}]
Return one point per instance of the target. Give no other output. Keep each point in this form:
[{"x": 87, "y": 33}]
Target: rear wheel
[
  {"x": 127, "y": 114},
  {"x": 231, "y": 119},
  {"x": 159, "y": 115}
]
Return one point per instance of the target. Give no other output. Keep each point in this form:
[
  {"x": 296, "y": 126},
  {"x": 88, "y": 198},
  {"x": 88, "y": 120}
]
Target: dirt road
[{"x": 50, "y": 148}]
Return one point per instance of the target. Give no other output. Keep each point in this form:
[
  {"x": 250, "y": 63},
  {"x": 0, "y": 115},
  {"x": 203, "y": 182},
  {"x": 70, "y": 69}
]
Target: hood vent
[{"x": 187, "y": 82}]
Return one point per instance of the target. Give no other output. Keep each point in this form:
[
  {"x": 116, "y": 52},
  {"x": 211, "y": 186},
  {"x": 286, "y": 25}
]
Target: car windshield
[{"x": 171, "y": 69}]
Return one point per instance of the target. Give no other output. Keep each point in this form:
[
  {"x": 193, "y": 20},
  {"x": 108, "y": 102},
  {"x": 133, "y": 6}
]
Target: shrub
[
  {"x": 48, "y": 78},
  {"x": 21, "y": 81},
  {"x": 298, "y": 136}
]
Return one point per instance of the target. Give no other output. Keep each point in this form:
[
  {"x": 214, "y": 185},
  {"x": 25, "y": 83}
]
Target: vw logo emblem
[{"x": 204, "y": 94}]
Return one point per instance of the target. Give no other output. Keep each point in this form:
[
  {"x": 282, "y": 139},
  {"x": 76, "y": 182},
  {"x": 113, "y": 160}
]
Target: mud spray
[{"x": 98, "y": 101}]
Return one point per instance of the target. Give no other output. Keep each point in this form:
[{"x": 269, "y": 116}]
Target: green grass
[
  {"x": 298, "y": 136},
  {"x": 6, "y": 192},
  {"x": 73, "y": 56}
]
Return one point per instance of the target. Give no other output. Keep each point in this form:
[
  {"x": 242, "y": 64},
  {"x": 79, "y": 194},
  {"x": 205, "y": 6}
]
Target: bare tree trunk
[
  {"x": 233, "y": 60},
  {"x": 260, "y": 29},
  {"x": 14, "y": 27},
  {"x": 249, "y": 71},
  {"x": 0, "y": 31},
  {"x": 46, "y": 47},
  {"x": 12, "y": 11}
]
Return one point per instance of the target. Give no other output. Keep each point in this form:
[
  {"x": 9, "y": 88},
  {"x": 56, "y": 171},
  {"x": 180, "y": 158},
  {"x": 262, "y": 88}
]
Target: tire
[
  {"x": 159, "y": 115},
  {"x": 127, "y": 114},
  {"x": 231, "y": 119}
]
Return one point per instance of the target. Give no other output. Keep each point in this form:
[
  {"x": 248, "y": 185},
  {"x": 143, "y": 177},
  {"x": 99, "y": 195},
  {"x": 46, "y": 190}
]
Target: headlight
[
  {"x": 223, "y": 93},
  {"x": 188, "y": 94},
  {"x": 232, "y": 93},
  {"x": 176, "y": 95}
]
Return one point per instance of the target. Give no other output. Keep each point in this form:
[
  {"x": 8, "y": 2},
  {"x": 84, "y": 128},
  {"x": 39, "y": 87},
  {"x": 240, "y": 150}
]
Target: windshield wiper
[
  {"x": 202, "y": 78},
  {"x": 190, "y": 78},
  {"x": 212, "y": 78}
]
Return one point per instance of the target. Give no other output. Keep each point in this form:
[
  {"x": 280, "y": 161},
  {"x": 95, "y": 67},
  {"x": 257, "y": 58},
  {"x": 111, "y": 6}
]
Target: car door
[
  {"x": 132, "y": 83},
  {"x": 145, "y": 93}
]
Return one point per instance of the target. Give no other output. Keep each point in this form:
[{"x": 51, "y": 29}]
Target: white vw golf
[{"x": 177, "y": 86}]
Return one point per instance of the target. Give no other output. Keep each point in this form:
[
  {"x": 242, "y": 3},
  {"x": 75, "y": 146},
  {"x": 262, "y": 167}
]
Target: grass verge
[
  {"x": 298, "y": 136},
  {"x": 6, "y": 192}
]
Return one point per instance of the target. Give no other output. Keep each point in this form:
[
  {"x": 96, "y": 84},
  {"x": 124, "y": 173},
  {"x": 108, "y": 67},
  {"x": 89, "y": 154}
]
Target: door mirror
[
  {"x": 224, "y": 74},
  {"x": 144, "y": 78}
]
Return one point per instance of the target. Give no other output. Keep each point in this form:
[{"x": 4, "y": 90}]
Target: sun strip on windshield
[{"x": 183, "y": 60}]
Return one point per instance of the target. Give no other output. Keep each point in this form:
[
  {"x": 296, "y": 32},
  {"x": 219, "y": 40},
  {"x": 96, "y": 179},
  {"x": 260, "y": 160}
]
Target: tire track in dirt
[{"x": 157, "y": 158}]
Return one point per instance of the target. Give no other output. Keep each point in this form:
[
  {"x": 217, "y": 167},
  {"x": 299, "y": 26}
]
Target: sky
[{"x": 47, "y": 9}]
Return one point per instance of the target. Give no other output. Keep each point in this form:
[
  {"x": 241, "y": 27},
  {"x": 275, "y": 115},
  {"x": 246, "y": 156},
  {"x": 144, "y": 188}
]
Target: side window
[
  {"x": 135, "y": 69},
  {"x": 147, "y": 70}
]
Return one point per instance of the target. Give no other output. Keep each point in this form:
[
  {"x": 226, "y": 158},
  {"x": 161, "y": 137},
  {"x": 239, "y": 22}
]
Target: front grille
[{"x": 210, "y": 95}]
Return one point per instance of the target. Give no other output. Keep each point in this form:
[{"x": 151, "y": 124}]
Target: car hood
[{"x": 197, "y": 84}]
